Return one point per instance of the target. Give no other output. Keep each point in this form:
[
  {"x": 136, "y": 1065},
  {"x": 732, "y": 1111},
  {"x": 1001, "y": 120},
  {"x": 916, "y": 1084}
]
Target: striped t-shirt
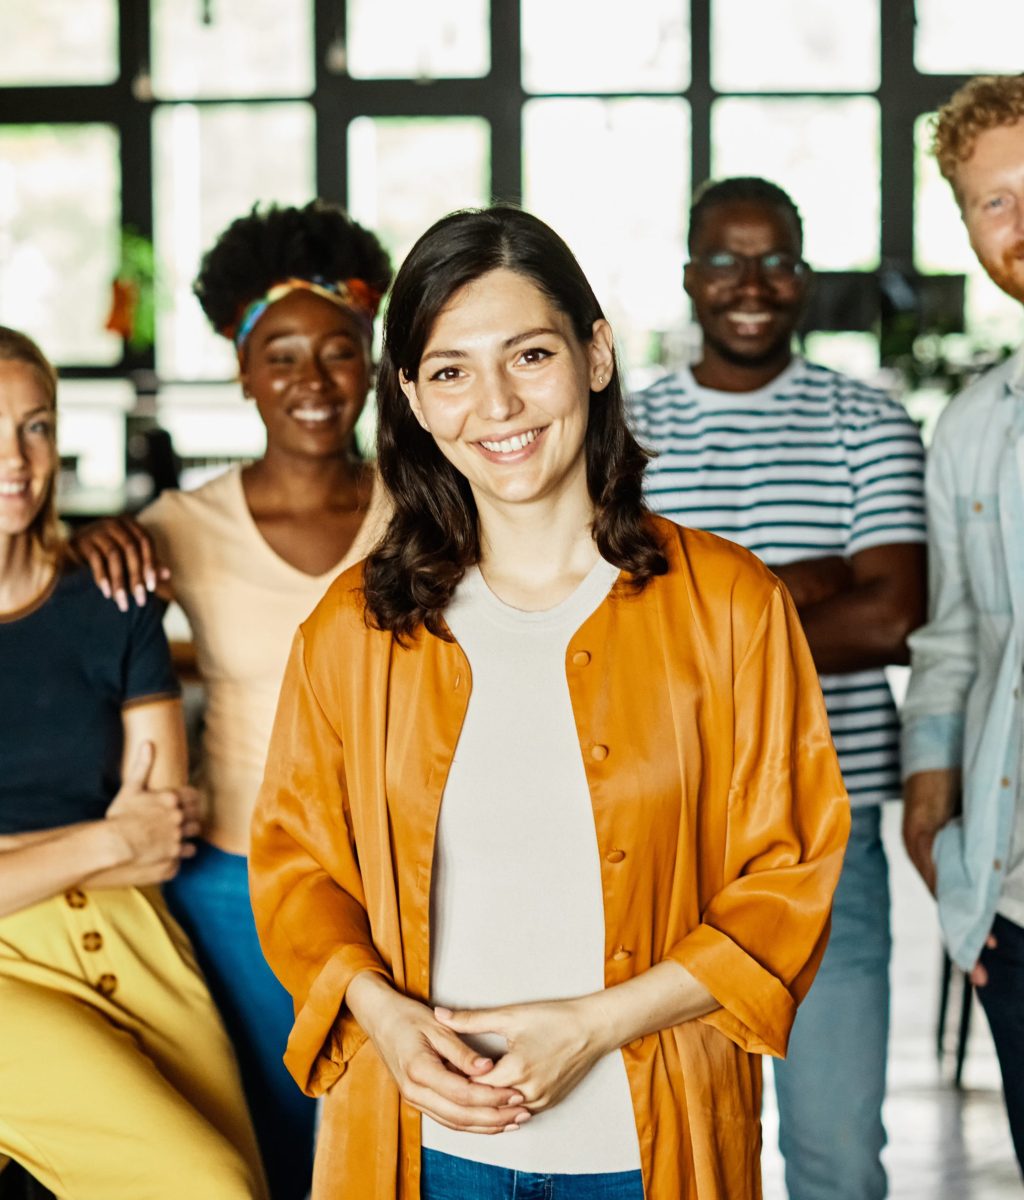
[{"x": 812, "y": 465}]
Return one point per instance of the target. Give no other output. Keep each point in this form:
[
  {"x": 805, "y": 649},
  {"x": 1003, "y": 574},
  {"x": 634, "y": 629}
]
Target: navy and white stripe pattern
[{"x": 815, "y": 464}]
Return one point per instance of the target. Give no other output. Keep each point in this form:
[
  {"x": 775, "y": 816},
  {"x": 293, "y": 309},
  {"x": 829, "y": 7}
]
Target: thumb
[
  {"x": 465, "y": 1020},
  {"x": 138, "y": 773}
]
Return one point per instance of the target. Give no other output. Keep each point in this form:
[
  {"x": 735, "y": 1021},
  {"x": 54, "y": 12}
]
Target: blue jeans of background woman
[
  {"x": 444, "y": 1177},
  {"x": 210, "y": 899}
]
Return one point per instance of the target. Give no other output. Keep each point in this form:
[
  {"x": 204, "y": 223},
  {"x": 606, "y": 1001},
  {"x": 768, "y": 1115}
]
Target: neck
[
  {"x": 24, "y": 570},
  {"x": 723, "y": 374},
  {"x": 535, "y": 555},
  {"x": 305, "y": 483}
]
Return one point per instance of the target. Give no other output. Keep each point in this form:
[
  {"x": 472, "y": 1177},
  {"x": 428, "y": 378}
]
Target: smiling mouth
[
  {"x": 316, "y": 416},
  {"x": 518, "y": 441},
  {"x": 753, "y": 319},
  {"x": 13, "y": 488}
]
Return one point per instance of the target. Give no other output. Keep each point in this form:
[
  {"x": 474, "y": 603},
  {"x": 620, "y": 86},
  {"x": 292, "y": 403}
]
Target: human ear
[
  {"x": 601, "y": 352},
  {"x": 409, "y": 388}
]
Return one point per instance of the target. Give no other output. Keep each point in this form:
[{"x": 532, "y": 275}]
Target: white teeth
[
  {"x": 513, "y": 443},
  {"x": 745, "y": 318},
  {"x": 313, "y": 414},
  {"x": 12, "y": 489}
]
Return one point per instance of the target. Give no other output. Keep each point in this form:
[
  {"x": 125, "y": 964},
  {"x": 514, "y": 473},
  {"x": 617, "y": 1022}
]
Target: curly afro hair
[{"x": 265, "y": 247}]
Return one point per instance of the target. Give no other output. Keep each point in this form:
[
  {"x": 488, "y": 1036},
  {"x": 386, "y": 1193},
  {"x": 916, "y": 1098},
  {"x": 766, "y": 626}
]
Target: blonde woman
[{"x": 116, "y": 1076}]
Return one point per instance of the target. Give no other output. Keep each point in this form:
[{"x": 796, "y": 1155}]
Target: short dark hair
[
  {"x": 750, "y": 189},
  {"x": 433, "y": 535},
  {"x": 269, "y": 245}
]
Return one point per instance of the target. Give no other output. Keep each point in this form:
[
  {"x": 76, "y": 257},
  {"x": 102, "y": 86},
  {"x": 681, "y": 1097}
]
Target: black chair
[{"x": 963, "y": 1025}]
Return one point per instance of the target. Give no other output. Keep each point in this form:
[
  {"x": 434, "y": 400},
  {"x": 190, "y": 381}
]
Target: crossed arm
[
  {"x": 857, "y": 612},
  {"x": 141, "y": 839}
]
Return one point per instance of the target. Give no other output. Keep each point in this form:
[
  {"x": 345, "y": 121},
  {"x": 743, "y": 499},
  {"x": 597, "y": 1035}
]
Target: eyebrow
[
  {"x": 34, "y": 412},
  {"x": 507, "y": 344}
]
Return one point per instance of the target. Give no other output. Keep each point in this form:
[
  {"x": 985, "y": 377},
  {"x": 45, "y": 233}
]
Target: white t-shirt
[{"x": 517, "y": 912}]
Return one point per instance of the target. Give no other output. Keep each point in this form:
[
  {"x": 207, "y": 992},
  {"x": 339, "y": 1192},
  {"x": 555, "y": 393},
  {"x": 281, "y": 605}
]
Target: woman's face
[
  {"x": 307, "y": 366},
  {"x": 504, "y": 386},
  {"x": 28, "y": 446}
]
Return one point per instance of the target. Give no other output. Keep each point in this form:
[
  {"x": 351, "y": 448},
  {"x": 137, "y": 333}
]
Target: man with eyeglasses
[{"x": 821, "y": 476}]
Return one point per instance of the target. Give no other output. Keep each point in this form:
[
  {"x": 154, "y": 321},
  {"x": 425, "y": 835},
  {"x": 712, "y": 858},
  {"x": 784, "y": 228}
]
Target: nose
[
  {"x": 752, "y": 277},
  {"x": 497, "y": 398},
  {"x": 11, "y": 449}
]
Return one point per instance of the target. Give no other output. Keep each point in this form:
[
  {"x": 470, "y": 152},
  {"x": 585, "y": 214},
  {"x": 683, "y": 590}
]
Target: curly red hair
[{"x": 985, "y": 102}]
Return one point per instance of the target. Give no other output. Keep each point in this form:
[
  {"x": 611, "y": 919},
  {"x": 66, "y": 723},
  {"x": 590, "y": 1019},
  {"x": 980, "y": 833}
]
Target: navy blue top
[{"x": 69, "y": 664}]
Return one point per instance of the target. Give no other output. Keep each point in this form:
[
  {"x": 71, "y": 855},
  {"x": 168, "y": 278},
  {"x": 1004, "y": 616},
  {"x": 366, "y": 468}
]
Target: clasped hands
[{"x": 551, "y": 1047}]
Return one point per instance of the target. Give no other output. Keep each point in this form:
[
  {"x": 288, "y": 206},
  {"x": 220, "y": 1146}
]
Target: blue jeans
[
  {"x": 444, "y": 1177},
  {"x": 1003, "y": 1001},
  {"x": 210, "y": 899},
  {"x": 832, "y": 1082}
]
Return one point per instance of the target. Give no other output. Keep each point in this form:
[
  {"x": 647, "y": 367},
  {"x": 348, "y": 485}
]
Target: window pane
[
  {"x": 940, "y": 245},
  {"x": 573, "y": 47},
  {"x": 90, "y": 434},
  {"x": 795, "y": 45},
  {"x": 60, "y": 201},
  {"x": 406, "y": 172},
  {"x": 590, "y": 173},
  {"x": 209, "y": 424},
  {"x": 954, "y": 38},
  {"x": 825, "y": 153},
  {"x": 408, "y": 39},
  {"x": 248, "y": 48},
  {"x": 211, "y": 164},
  {"x": 54, "y": 42}
]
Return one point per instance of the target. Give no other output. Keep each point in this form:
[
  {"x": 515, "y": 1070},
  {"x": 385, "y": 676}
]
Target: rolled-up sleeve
[
  {"x": 762, "y": 935},
  {"x": 307, "y": 893}
]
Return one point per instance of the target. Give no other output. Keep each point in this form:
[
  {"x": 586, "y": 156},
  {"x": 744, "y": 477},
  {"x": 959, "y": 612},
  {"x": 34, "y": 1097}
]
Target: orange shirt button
[
  {"x": 636, "y": 1043},
  {"x": 977, "y": 506},
  {"x": 615, "y": 855},
  {"x": 76, "y": 898},
  {"x": 106, "y": 985},
  {"x": 580, "y": 658},
  {"x": 622, "y": 954},
  {"x": 998, "y": 864},
  {"x": 599, "y": 753},
  {"x": 1004, "y": 782},
  {"x": 92, "y": 940}
]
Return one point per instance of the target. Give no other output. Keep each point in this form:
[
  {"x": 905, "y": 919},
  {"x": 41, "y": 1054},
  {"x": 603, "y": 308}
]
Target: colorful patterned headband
[{"x": 356, "y": 295}]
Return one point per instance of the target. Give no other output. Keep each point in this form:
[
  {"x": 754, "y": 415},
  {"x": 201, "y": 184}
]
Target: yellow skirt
[{"x": 117, "y": 1080}]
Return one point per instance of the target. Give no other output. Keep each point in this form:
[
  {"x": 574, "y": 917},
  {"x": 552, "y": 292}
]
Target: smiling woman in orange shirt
[{"x": 551, "y": 818}]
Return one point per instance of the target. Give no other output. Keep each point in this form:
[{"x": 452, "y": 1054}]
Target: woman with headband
[
  {"x": 117, "y": 1080},
  {"x": 248, "y": 556},
  {"x": 551, "y": 819}
]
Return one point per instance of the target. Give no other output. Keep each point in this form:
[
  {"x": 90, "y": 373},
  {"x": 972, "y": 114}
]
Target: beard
[{"x": 1007, "y": 271}]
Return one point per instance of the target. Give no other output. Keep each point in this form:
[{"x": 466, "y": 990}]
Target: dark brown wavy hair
[{"x": 433, "y": 535}]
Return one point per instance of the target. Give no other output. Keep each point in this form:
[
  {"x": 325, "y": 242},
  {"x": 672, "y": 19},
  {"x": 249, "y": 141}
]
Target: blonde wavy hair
[
  {"x": 17, "y": 347},
  {"x": 983, "y": 103}
]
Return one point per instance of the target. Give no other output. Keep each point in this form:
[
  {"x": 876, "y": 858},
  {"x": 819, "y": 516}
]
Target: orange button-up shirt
[{"x": 721, "y": 821}]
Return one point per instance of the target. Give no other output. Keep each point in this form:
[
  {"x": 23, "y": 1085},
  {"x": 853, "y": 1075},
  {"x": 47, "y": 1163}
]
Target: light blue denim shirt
[{"x": 964, "y": 702}]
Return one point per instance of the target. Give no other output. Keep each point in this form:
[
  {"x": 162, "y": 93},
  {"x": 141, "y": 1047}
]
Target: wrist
[
  {"x": 599, "y": 1017},
  {"x": 371, "y": 1000},
  {"x": 103, "y": 846}
]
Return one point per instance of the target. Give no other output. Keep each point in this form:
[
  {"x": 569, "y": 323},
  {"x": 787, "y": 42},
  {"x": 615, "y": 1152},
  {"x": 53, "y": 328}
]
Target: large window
[{"x": 149, "y": 124}]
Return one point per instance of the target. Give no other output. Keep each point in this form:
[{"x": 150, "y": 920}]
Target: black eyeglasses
[{"x": 723, "y": 266}]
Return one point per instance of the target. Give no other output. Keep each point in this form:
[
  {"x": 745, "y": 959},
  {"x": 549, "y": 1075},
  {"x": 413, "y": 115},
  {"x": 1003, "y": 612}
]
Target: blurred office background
[{"x": 132, "y": 131}]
